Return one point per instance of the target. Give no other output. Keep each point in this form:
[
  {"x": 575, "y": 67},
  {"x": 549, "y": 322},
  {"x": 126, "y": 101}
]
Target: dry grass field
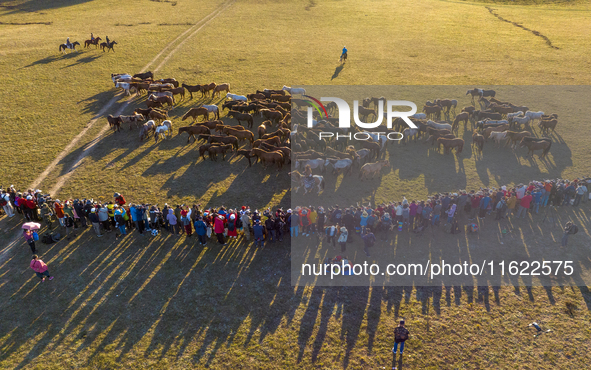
[{"x": 166, "y": 303}]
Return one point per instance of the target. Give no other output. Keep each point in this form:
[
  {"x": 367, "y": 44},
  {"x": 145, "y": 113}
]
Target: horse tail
[
  {"x": 547, "y": 149},
  {"x": 186, "y": 115}
]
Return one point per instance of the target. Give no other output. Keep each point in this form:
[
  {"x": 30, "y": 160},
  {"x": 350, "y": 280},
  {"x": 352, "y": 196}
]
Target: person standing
[
  {"x": 6, "y": 204},
  {"x": 172, "y": 221},
  {"x": 259, "y": 233},
  {"x": 40, "y": 268},
  {"x": 218, "y": 229},
  {"x": 343, "y": 239},
  {"x": 94, "y": 220},
  {"x": 368, "y": 241},
  {"x": 201, "y": 230},
  {"x": 524, "y": 204},
  {"x": 401, "y": 334},
  {"x": 245, "y": 224},
  {"x": 28, "y": 235},
  {"x": 581, "y": 191},
  {"x": 569, "y": 228}
]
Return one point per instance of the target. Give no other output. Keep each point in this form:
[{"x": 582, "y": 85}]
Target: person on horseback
[
  {"x": 107, "y": 38},
  {"x": 68, "y": 44},
  {"x": 91, "y": 37},
  {"x": 308, "y": 177},
  {"x": 344, "y": 54}
]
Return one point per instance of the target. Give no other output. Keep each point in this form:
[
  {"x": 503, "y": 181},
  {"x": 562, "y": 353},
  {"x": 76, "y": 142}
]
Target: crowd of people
[
  {"x": 120, "y": 216},
  {"x": 340, "y": 224},
  {"x": 337, "y": 224}
]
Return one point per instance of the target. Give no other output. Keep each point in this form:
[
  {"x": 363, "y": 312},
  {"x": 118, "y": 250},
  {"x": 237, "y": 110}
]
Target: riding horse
[
  {"x": 298, "y": 180},
  {"x": 94, "y": 42},
  {"x": 109, "y": 46},
  {"x": 72, "y": 46},
  {"x": 343, "y": 58}
]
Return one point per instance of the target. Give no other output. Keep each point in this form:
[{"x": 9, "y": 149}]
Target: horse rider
[
  {"x": 107, "y": 37},
  {"x": 344, "y": 55},
  {"x": 68, "y": 44},
  {"x": 91, "y": 37}
]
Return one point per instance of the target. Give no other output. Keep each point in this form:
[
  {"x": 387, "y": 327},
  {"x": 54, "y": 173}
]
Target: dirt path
[{"x": 183, "y": 37}]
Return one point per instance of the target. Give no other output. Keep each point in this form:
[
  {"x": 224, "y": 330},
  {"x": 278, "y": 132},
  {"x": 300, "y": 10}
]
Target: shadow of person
[
  {"x": 337, "y": 71},
  {"x": 396, "y": 364}
]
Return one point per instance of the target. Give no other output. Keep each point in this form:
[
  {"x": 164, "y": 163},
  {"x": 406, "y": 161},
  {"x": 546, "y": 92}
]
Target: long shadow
[
  {"x": 337, "y": 71},
  {"x": 84, "y": 60},
  {"x": 53, "y": 58},
  {"x": 39, "y": 6}
]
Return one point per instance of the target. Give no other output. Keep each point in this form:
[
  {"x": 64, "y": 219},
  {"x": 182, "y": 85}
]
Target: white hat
[
  {"x": 503, "y": 187},
  {"x": 289, "y": 210},
  {"x": 220, "y": 217},
  {"x": 343, "y": 229},
  {"x": 232, "y": 217},
  {"x": 93, "y": 210},
  {"x": 29, "y": 197}
]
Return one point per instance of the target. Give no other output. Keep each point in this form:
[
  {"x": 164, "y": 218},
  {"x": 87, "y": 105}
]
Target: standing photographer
[{"x": 569, "y": 229}]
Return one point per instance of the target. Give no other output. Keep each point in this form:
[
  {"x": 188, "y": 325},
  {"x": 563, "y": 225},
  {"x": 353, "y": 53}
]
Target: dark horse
[
  {"x": 109, "y": 46},
  {"x": 536, "y": 144},
  {"x": 72, "y": 46},
  {"x": 343, "y": 58},
  {"x": 94, "y": 42}
]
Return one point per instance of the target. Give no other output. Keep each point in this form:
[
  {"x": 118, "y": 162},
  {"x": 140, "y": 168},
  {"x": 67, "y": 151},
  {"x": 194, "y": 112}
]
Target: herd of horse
[{"x": 276, "y": 140}]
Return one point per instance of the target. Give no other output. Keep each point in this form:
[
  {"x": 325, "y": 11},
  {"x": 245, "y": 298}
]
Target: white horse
[
  {"x": 165, "y": 129},
  {"x": 313, "y": 163},
  {"x": 236, "y": 97},
  {"x": 410, "y": 133},
  {"x": 439, "y": 126},
  {"x": 416, "y": 115},
  {"x": 123, "y": 85},
  {"x": 515, "y": 114},
  {"x": 498, "y": 136},
  {"x": 345, "y": 164},
  {"x": 294, "y": 90},
  {"x": 213, "y": 109},
  {"x": 521, "y": 120},
  {"x": 534, "y": 115}
]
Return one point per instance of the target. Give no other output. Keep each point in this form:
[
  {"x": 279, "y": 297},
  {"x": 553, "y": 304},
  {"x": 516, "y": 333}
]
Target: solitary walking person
[
  {"x": 401, "y": 334},
  {"x": 40, "y": 268}
]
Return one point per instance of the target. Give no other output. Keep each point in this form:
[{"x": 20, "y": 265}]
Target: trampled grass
[{"x": 166, "y": 303}]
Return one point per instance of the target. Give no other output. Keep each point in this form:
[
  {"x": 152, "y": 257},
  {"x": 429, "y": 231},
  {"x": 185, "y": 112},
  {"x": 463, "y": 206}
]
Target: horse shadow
[
  {"x": 33, "y": 6},
  {"x": 337, "y": 71},
  {"x": 52, "y": 58},
  {"x": 84, "y": 60}
]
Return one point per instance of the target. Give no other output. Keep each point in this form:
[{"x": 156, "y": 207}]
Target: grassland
[{"x": 166, "y": 303}]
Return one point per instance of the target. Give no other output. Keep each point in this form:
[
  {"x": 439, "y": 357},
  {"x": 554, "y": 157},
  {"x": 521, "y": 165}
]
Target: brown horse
[
  {"x": 205, "y": 89},
  {"x": 242, "y": 117},
  {"x": 192, "y": 89},
  {"x": 515, "y": 136},
  {"x": 285, "y": 150},
  {"x": 478, "y": 140},
  {"x": 221, "y": 87},
  {"x": 214, "y": 150},
  {"x": 193, "y": 130},
  {"x": 240, "y": 134},
  {"x": 274, "y": 157},
  {"x": 153, "y": 104},
  {"x": 272, "y": 141},
  {"x": 156, "y": 115},
  {"x": 178, "y": 91},
  {"x": 372, "y": 169},
  {"x": 449, "y": 144},
  {"x": 434, "y": 111},
  {"x": 212, "y": 125},
  {"x": 536, "y": 144},
  {"x": 366, "y": 112},
  {"x": 464, "y": 116},
  {"x": 220, "y": 127},
  {"x": 114, "y": 122},
  {"x": 163, "y": 99},
  {"x": 271, "y": 115},
  {"x": 109, "y": 46},
  {"x": 196, "y": 112},
  {"x": 205, "y": 148},
  {"x": 224, "y": 140},
  {"x": 433, "y": 138},
  {"x": 94, "y": 42},
  {"x": 546, "y": 125},
  {"x": 263, "y": 128}
]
